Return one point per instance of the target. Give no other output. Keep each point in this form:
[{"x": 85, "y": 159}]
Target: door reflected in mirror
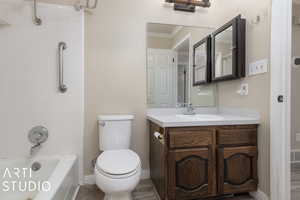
[
  {"x": 228, "y": 50},
  {"x": 202, "y": 62},
  {"x": 170, "y": 67},
  {"x": 223, "y": 53}
]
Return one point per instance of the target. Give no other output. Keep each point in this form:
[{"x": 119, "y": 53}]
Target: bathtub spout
[{"x": 34, "y": 149}]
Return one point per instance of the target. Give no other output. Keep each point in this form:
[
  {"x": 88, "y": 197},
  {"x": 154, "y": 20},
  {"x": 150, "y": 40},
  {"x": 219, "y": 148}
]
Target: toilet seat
[{"x": 118, "y": 163}]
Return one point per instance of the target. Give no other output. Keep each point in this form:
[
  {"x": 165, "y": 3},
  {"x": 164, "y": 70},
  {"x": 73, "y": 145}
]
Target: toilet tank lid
[{"x": 115, "y": 117}]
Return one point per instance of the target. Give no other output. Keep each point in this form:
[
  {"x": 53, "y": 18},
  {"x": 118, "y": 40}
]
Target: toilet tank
[{"x": 114, "y": 131}]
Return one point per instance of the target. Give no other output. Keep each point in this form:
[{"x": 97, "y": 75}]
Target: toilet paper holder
[{"x": 159, "y": 136}]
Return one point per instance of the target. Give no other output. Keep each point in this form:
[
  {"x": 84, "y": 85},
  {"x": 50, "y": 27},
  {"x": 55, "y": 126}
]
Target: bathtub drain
[{"x": 35, "y": 167}]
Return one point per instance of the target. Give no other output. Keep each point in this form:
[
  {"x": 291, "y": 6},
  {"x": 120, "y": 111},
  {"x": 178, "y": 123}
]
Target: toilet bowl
[
  {"x": 117, "y": 173},
  {"x": 118, "y": 169}
]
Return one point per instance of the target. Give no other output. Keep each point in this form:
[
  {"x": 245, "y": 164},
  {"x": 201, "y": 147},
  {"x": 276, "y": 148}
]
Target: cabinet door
[
  {"x": 191, "y": 174},
  {"x": 157, "y": 161},
  {"x": 237, "y": 169}
]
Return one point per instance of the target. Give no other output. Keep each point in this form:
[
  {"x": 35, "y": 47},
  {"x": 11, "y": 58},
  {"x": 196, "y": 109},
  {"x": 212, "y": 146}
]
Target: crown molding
[{"x": 176, "y": 30}]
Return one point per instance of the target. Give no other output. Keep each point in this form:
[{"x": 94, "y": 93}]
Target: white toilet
[{"x": 118, "y": 169}]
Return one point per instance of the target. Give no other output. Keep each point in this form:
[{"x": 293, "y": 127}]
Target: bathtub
[{"x": 57, "y": 178}]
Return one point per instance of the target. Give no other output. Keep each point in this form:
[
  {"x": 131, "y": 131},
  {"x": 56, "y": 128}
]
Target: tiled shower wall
[{"x": 29, "y": 93}]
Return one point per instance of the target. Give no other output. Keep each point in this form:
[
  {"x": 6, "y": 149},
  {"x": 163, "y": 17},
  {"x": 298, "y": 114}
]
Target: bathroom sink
[{"x": 200, "y": 117}]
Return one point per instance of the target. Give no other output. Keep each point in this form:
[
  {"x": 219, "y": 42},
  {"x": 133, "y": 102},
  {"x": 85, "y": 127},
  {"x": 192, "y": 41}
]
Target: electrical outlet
[
  {"x": 258, "y": 67},
  {"x": 298, "y": 137},
  {"x": 244, "y": 90}
]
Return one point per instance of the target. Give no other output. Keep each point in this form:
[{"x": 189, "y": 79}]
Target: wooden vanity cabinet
[
  {"x": 158, "y": 166},
  {"x": 201, "y": 162}
]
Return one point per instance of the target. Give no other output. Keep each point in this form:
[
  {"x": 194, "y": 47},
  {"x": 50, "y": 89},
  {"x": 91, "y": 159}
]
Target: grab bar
[
  {"x": 87, "y": 5},
  {"x": 61, "y": 47},
  {"x": 93, "y": 6},
  {"x": 37, "y": 21}
]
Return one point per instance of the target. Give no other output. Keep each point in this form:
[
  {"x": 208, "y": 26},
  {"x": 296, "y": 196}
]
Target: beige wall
[
  {"x": 295, "y": 111},
  {"x": 116, "y": 66},
  {"x": 159, "y": 43},
  {"x": 257, "y": 47}
]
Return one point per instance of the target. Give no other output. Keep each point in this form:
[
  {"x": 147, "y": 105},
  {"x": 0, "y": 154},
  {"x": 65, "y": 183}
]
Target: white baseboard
[
  {"x": 90, "y": 179},
  {"x": 145, "y": 174},
  {"x": 259, "y": 195}
]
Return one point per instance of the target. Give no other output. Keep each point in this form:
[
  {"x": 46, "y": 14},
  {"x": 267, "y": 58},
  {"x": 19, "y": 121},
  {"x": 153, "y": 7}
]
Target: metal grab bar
[
  {"x": 61, "y": 47},
  {"x": 87, "y": 6},
  {"x": 37, "y": 21}
]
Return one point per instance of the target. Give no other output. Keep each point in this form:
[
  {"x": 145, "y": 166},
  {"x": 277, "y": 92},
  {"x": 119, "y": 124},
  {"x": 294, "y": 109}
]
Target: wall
[
  {"x": 295, "y": 111},
  {"x": 257, "y": 47},
  {"x": 116, "y": 67},
  {"x": 29, "y": 79},
  {"x": 158, "y": 43}
]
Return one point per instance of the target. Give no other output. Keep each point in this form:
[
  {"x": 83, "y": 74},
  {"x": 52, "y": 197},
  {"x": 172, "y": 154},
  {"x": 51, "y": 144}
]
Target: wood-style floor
[
  {"x": 295, "y": 176},
  {"x": 144, "y": 191}
]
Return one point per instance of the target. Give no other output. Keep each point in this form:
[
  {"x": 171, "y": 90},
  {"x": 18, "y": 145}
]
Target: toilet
[{"x": 118, "y": 169}]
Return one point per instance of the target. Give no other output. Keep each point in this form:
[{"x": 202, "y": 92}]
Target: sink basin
[{"x": 201, "y": 117}]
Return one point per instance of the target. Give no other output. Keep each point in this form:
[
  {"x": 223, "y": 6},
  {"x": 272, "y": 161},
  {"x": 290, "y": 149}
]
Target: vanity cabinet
[
  {"x": 157, "y": 164},
  {"x": 237, "y": 169},
  {"x": 190, "y": 173},
  {"x": 201, "y": 162}
]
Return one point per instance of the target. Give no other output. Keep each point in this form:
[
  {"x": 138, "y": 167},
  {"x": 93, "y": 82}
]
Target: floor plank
[{"x": 144, "y": 191}]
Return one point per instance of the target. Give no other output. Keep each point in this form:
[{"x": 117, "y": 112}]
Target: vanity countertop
[{"x": 180, "y": 120}]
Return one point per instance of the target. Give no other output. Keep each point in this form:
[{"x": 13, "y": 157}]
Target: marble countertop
[{"x": 215, "y": 119}]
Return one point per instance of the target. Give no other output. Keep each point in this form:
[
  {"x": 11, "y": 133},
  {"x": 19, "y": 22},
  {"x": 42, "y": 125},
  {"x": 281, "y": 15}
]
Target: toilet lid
[{"x": 118, "y": 162}]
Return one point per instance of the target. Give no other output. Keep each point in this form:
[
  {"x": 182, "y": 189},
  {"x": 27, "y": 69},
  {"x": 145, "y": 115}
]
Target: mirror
[
  {"x": 228, "y": 51},
  {"x": 170, "y": 62},
  {"x": 201, "y": 67},
  {"x": 223, "y": 53}
]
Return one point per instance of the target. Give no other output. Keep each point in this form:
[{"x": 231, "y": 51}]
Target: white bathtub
[{"x": 57, "y": 179}]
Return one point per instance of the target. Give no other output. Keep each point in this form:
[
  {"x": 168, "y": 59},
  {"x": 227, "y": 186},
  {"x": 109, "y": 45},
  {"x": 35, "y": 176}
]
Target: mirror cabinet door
[
  {"x": 228, "y": 51},
  {"x": 201, "y": 59},
  {"x": 223, "y": 54}
]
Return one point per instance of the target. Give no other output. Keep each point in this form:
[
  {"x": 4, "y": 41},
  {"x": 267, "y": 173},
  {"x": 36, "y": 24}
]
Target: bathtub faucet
[
  {"x": 37, "y": 136},
  {"x": 35, "y": 148}
]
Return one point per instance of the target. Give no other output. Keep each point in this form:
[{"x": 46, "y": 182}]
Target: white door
[
  {"x": 161, "y": 78},
  {"x": 280, "y": 99}
]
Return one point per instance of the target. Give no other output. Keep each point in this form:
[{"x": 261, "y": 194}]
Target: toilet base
[{"x": 118, "y": 196}]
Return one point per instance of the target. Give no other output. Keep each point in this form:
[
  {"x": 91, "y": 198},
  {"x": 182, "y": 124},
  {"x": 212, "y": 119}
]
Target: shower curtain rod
[{"x": 78, "y": 6}]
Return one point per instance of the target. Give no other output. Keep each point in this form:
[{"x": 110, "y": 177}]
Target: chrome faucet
[
  {"x": 37, "y": 136},
  {"x": 35, "y": 148},
  {"x": 190, "y": 110}
]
